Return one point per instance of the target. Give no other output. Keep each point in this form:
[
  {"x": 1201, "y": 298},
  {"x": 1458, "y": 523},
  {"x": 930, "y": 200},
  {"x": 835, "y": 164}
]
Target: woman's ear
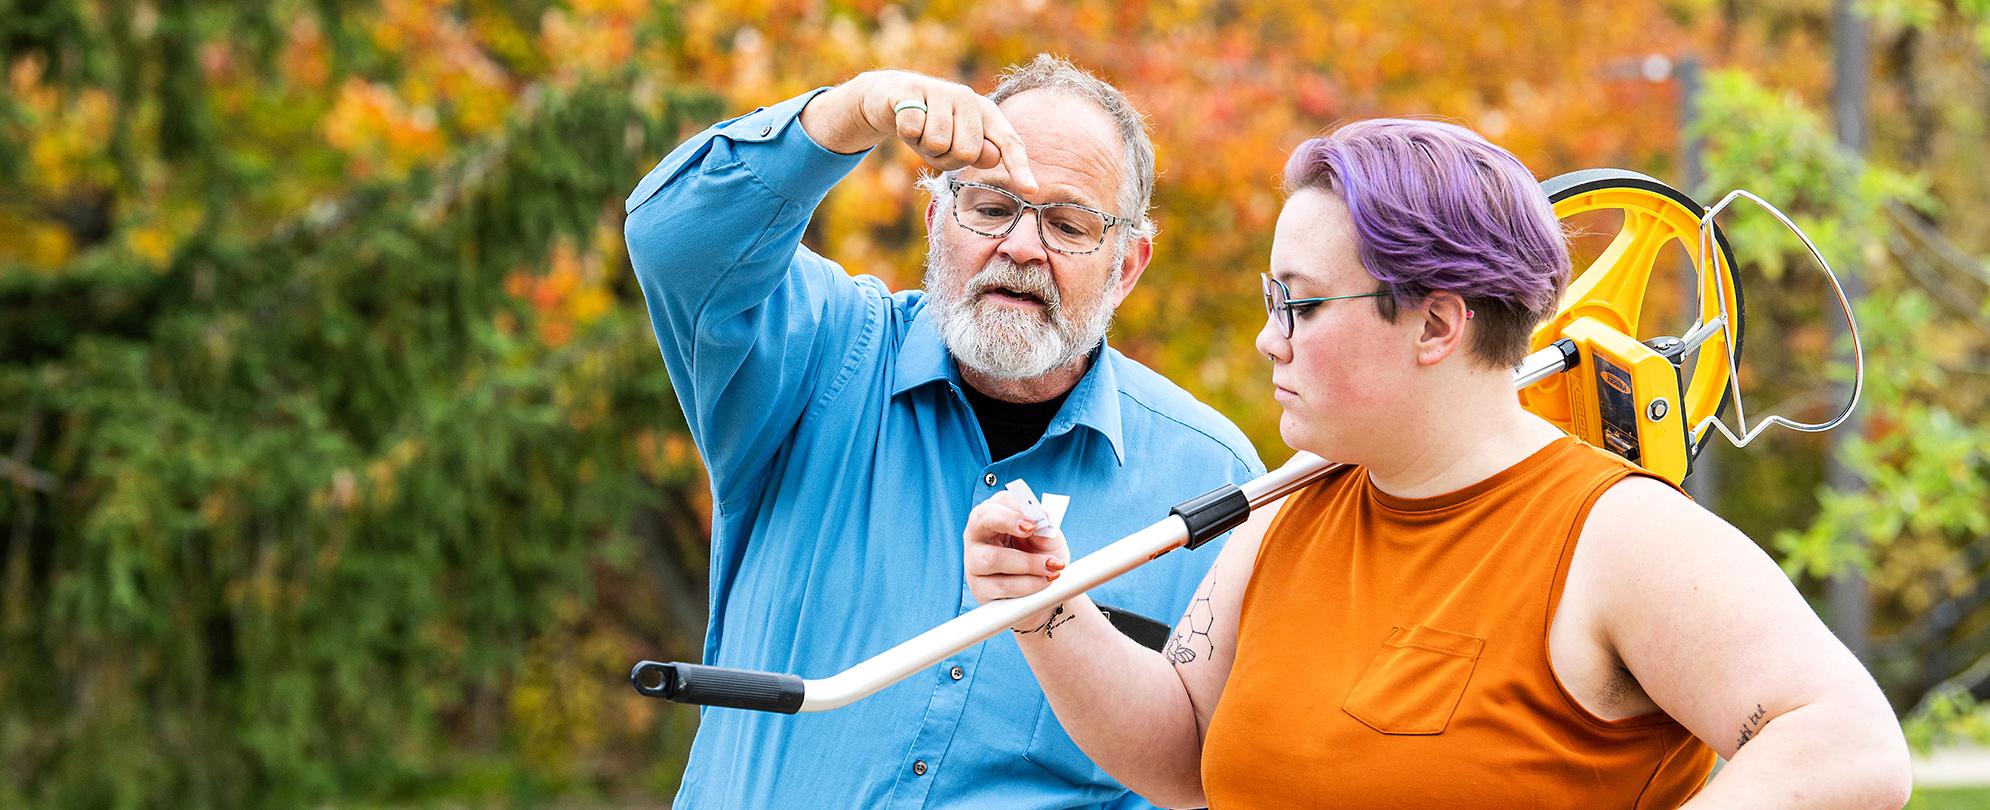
[{"x": 1444, "y": 315}]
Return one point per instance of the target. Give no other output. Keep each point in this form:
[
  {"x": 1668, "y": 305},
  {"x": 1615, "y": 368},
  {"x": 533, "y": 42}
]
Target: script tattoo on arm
[
  {"x": 1752, "y": 727},
  {"x": 1192, "y": 642}
]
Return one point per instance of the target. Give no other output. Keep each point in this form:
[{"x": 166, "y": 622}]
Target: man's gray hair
[{"x": 1047, "y": 72}]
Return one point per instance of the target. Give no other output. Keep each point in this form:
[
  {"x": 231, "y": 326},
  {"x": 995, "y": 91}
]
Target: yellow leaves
[
  {"x": 34, "y": 243},
  {"x": 872, "y": 222},
  {"x": 621, "y": 10},
  {"x": 384, "y": 471},
  {"x": 154, "y": 230},
  {"x": 648, "y": 457},
  {"x": 445, "y": 64},
  {"x": 68, "y": 134},
  {"x": 795, "y": 46},
  {"x": 408, "y": 26},
  {"x": 1920, "y": 570},
  {"x": 216, "y": 508},
  {"x": 559, "y": 713},
  {"x": 65, "y": 136},
  {"x": 503, "y": 37},
  {"x": 660, "y": 456},
  {"x": 677, "y": 450},
  {"x": 154, "y": 243},
  {"x": 571, "y": 294},
  {"x": 594, "y": 37},
  {"x": 380, "y": 134}
]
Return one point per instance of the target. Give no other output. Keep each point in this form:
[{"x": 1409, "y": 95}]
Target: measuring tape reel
[{"x": 1629, "y": 396}]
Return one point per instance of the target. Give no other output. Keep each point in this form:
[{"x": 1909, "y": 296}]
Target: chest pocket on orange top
[{"x": 1414, "y": 683}]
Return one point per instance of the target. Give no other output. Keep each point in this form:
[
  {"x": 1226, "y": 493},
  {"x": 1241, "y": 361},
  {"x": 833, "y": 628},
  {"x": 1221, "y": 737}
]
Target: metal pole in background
[
  {"x": 1851, "y": 607},
  {"x": 1705, "y": 482}
]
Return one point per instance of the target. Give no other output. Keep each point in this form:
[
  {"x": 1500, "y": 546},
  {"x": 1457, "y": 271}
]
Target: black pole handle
[
  {"x": 718, "y": 686},
  {"x": 1213, "y": 513}
]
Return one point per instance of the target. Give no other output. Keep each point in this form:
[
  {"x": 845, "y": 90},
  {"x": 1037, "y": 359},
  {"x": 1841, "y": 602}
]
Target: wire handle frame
[{"x": 1726, "y": 322}]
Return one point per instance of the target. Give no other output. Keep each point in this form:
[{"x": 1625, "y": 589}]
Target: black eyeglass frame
[{"x": 953, "y": 190}]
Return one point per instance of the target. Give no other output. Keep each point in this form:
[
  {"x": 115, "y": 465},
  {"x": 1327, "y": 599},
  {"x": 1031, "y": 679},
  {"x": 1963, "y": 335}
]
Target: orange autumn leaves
[
  {"x": 569, "y": 294},
  {"x": 380, "y": 134},
  {"x": 1229, "y": 88}
]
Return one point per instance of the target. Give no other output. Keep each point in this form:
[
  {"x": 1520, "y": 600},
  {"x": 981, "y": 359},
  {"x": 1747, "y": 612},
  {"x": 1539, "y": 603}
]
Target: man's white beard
[{"x": 1006, "y": 342}]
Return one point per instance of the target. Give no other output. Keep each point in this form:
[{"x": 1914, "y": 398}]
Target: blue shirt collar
[{"x": 1094, "y": 403}]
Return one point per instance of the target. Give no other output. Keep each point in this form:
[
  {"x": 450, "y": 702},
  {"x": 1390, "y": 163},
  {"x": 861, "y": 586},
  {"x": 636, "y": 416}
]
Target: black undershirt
[{"x": 1011, "y": 427}]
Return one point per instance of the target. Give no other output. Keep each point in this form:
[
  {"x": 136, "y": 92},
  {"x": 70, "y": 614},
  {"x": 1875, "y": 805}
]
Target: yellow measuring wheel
[{"x": 1623, "y": 394}]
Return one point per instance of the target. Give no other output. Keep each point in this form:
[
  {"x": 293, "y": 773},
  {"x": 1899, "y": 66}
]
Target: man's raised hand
[{"x": 947, "y": 124}]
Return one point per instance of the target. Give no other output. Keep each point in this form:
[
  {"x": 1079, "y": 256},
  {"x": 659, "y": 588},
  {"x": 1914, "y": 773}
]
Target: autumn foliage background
[{"x": 337, "y": 463}]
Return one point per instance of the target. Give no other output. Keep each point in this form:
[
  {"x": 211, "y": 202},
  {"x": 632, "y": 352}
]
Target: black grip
[
  {"x": 1145, "y": 631},
  {"x": 1571, "y": 354},
  {"x": 701, "y": 685},
  {"x": 1212, "y": 513}
]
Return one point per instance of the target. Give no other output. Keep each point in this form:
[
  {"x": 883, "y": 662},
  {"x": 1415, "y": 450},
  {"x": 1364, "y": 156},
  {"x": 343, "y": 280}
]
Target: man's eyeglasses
[
  {"x": 1067, "y": 228},
  {"x": 1280, "y": 306}
]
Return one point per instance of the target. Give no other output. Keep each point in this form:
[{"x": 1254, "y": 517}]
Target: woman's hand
[{"x": 1004, "y": 557}]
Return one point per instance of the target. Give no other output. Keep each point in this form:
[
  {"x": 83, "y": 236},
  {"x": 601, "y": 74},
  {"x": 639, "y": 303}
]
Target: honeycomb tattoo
[{"x": 1192, "y": 641}]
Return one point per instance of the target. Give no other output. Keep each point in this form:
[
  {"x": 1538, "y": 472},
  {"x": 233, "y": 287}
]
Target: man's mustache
[{"x": 1010, "y": 277}]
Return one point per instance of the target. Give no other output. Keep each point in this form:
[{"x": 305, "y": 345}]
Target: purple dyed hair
[{"x": 1437, "y": 208}]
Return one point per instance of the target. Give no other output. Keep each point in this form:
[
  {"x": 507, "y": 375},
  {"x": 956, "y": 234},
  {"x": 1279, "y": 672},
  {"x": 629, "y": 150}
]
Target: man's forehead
[
  {"x": 1073, "y": 149},
  {"x": 1048, "y": 191}
]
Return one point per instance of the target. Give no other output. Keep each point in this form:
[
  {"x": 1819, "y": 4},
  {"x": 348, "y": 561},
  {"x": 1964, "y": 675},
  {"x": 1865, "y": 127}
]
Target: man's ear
[
  {"x": 1444, "y": 315},
  {"x": 932, "y": 208},
  {"x": 1130, "y": 269}
]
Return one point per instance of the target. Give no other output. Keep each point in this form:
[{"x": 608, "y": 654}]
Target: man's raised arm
[{"x": 753, "y": 326}]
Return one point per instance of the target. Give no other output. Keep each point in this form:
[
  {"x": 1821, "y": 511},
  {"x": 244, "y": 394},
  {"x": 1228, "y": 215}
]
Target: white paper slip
[
  {"x": 1026, "y": 500},
  {"x": 1047, "y": 514},
  {"x": 1054, "y": 505}
]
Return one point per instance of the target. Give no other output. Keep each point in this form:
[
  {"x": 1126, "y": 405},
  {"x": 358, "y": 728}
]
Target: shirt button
[
  {"x": 766, "y": 132},
  {"x": 988, "y": 479},
  {"x": 956, "y": 673},
  {"x": 919, "y": 768}
]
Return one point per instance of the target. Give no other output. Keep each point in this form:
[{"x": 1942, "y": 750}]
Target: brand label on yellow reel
[{"x": 1623, "y": 397}]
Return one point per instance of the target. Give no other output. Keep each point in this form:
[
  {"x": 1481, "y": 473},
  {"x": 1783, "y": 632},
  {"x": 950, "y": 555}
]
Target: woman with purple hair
[{"x": 1478, "y": 610}]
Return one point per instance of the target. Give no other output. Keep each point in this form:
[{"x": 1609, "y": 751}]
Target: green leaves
[
  {"x": 1770, "y": 143},
  {"x": 1917, "y": 519},
  {"x": 309, "y": 492}
]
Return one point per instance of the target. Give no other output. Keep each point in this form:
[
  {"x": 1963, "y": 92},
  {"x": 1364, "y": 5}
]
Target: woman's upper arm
[
  {"x": 1205, "y": 640},
  {"x": 1708, "y": 624}
]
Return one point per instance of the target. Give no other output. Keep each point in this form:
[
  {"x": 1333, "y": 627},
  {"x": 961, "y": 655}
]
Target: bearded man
[{"x": 848, "y": 429}]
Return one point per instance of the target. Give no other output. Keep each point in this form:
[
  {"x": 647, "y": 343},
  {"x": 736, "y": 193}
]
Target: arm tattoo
[
  {"x": 1050, "y": 625},
  {"x": 1752, "y": 727},
  {"x": 1192, "y": 641}
]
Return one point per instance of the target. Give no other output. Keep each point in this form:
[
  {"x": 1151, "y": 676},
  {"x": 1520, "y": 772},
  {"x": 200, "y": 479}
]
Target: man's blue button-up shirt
[{"x": 844, "y": 460}]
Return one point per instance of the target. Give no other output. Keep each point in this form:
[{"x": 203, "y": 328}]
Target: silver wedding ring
[{"x": 908, "y": 104}]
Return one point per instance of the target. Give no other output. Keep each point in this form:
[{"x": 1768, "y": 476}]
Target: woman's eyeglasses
[{"x": 1281, "y": 307}]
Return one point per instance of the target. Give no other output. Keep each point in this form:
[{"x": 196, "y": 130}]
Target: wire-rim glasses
[
  {"x": 1281, "y": 307},
  {"x": 1068, "y": 228}
]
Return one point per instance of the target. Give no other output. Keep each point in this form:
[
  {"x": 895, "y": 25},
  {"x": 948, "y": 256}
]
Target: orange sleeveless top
[{"x": 1393, "y": 652}]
